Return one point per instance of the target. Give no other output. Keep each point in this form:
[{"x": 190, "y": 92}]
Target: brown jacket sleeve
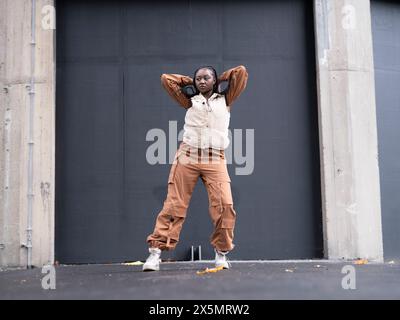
[
  {"x": 237, "y": 78},
  {"x": 173, "y": 83}
]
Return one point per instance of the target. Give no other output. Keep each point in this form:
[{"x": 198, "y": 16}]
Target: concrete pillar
[
  {"x": 16, "y": 71},
  {"x": 348, "y": 130}
]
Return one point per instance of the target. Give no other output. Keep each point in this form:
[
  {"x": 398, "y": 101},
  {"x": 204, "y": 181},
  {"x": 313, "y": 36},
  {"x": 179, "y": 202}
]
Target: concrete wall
[
  {"x": 26, "y": 112},
  {"x": 347, "y": 121},
  {"x": 348, "y": 130}
]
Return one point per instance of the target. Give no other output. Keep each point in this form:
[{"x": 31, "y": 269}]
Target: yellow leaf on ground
[
  {"x": 210, "y": 270},
  {"x": 361, "y": 261}
]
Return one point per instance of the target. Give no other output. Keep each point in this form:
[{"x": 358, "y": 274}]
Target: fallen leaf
[
  {"x": 361, "y": 261},
  {"x": 209, "y": 270}
]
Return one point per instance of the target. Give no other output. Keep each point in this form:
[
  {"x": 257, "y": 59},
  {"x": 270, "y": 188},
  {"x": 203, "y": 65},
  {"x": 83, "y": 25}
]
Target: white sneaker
[
  {"x": 153, "y": 261},
  {"x": 221, "y": 259}
]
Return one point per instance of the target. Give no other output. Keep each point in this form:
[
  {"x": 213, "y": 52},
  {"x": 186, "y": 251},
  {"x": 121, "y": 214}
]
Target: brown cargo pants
[{"x": 191, "y": 163}]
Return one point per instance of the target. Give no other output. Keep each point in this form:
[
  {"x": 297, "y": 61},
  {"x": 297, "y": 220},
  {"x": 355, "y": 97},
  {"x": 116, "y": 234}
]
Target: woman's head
[{"x": 205, "y": 79}]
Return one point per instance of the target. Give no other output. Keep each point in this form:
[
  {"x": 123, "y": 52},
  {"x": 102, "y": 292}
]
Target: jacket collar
[{"x": 200, "y": 97}]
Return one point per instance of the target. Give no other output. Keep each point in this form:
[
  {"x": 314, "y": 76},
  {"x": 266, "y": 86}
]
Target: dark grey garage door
[
  {"x": 110, "y": 55},
  {"x": 386, "y": 37}
]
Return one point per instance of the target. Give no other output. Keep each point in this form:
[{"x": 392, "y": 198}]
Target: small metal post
[
  {"x": 199, "y": 252},
  {"x": 192, "y": 251}
]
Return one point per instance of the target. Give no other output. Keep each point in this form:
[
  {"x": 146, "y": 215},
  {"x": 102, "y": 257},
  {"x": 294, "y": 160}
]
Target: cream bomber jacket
[{"x": 207, "y": 121}]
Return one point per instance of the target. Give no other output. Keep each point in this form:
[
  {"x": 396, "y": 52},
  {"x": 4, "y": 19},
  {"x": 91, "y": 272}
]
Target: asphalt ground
[{"x": 254, "y": 280}]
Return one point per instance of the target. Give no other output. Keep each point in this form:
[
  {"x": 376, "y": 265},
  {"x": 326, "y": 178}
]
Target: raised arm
[
  {"x": 237, "y": 78},
  {"x": 173, "y": 84}
]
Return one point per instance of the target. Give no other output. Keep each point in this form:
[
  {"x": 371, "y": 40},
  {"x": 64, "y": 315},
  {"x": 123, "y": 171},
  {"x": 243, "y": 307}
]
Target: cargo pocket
[
  {"x": 227, "y": 223},
  {"x": 174, "y": 228},
  {"x": 228, "y": 218},
  {"x": 219, "y": 194},
  {"x": 172, "y": 172}
]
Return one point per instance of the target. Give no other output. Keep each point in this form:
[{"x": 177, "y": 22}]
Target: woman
[{"x": 201, "y": 154}]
